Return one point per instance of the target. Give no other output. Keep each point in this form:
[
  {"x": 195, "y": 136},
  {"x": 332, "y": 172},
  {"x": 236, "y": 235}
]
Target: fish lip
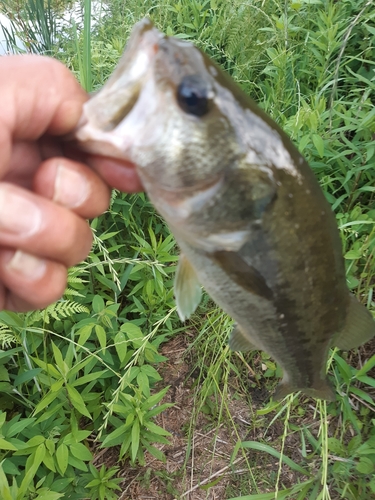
[{"x": 98, "y": 120}]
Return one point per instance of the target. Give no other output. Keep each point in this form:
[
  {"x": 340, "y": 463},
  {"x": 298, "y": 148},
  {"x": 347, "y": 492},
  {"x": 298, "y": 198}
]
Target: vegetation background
[{"x": 84, "y": 383}]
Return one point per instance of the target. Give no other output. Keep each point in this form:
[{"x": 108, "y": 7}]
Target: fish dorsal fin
[
  {"x": 359, "y": 326},
  {"x": 238, "y": 341},
  {"x": 187, "y": 290},
  {"x": 242, "y": 273}
]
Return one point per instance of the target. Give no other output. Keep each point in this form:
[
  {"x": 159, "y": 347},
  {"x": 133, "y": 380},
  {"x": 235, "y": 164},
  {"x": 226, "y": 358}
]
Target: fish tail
[
  {"x": 323, "y": 390},
  {"x": 283, "y": 390}
]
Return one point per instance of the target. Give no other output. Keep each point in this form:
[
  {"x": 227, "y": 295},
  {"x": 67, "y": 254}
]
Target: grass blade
[{"x": 254, "y": 445}]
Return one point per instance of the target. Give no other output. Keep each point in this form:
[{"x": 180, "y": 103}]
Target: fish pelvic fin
[
  {"x": 187, "y": 289},
  {"x": 238, "y": 341},
  {"x": 359, "y": 326},
  {"x": 322, "y": 391}
]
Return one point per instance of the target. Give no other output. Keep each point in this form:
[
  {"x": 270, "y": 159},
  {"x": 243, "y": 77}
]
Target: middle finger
[{"x": 41, "y": 227}]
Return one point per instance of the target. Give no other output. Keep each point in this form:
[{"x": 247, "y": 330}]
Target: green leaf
[
  {"x": 353, "y": 255},
  {"x": 362, "y": 394},
  {"x": 353, "y": 444},
  {"x": 150, "y": 372},
  {"x": 125, "y": 445},
  {"x": 49, "y": 495},
  {"x": 113, "y": 438},
  {"x": 303, "y": 142},
  {"x": 56, "y": 386},
  {"x": 84, "y": 333},
  {"x": 48, "y": 367},
  {"x": 60, "y": 484},
  {"x": 121, "y": 345},
  {"x": 107, "y": 236},
  {"x": 89, "y": 378},
  {"x": 9, "y": 353},
  {"x": 62, "y": 366},
  {"x": 366, "y": 380},
  {"x": 132, "y": 374},
  {"x": 76, "y": 436},
  {"x": 154, "y": 399},
  {"x": 365, "y": 466},
  {"x": 26, "y": 376},
  {"x": 211, "y": 483},
  {"x": 80, "y": 451},
  {"x": 49, "y": 461},
  {"x": 143, "y": 383},
  {"x": 98, "y": 304},
  {"x": 35, "y": 441},
  {"x": 366, "y": 367},
  {"x": 159, "y": 455},
  {"x": 319, "y": 144},
  {"x": 4, "y": 375},
  {"x": 16, "y": 427},
  {"x": 35, "y": 460},
  {"x": 5, "y": 445},
  {"x": 77, "y": 401},
  {"x": 135, "y": 434},
  {"x": 9, "y": 468},
  {"x": 102, "y": 336},
  {"x": 78, "y": 464},
  {"x": 48, "y": 399},
  {"x": 344, "y": 368},
  {"x": 336, "y": 447},
  {"x": 62, "y": 455},
  {"x": 157, "y": 429},
  {"x": 5, "y": 491},
  {"x": 11, "y": 319},
  {"x": 134, "y": 333},
  {"x": 254, "y": 445}
]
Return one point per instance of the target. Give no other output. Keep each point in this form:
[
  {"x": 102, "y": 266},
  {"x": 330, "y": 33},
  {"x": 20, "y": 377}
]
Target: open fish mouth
[{"x": 102, "y": 127}]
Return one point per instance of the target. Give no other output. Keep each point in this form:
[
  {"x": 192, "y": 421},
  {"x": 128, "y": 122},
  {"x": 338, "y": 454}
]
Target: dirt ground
[{"x": 200, "y": 467}]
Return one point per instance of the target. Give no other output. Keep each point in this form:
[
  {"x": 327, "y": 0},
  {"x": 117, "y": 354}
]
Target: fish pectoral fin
[
  {"x": 359, "y": 326},
  {"x": 238, "y": 341},
  {"x": 322, "y": 391},
  {"x": 187, "y": 289},
  {"x": 243, "y": 274}
]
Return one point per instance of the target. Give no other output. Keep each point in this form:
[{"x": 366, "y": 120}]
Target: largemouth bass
[{"x": 249, "y": 216}]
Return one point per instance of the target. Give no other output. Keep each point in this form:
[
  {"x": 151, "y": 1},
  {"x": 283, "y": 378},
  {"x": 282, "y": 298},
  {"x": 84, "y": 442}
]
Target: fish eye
[{"x": 192, "y": 95}]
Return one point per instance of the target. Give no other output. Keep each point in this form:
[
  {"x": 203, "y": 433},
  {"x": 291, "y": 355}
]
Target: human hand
[{"x": 44, "y": 196}]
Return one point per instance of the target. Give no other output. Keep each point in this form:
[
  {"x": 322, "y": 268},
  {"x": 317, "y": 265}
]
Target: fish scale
[{"x": 250, "y": 218}]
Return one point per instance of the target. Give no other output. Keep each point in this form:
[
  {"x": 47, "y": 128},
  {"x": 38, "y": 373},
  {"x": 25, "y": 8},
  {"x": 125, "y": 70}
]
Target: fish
[{"x": 247, "y": 212}]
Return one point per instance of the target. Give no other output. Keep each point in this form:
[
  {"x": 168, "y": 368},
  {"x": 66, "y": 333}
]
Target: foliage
[
  {"x": 34, "y": 22},
  {"x": 82, "y": 373}
]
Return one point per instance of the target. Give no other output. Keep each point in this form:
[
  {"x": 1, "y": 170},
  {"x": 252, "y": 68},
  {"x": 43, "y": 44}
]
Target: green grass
[{"x": 82, "y": 373}]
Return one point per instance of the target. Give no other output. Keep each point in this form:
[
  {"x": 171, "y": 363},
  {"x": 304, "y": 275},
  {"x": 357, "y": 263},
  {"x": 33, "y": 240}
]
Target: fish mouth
[{"x": 99, "y": 130}]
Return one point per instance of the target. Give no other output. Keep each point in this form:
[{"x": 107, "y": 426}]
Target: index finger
[{"x": 37, "y": 95}]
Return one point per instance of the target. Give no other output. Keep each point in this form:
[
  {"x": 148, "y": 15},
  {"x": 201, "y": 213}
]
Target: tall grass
[{"x": 34, "y": 22}]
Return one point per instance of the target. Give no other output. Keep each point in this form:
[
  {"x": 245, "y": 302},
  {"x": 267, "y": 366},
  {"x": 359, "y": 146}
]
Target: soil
[{"x": 198, "y": 459}]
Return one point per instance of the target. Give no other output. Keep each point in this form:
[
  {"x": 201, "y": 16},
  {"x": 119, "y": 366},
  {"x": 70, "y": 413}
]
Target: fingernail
[
  {"x": 18, "y": 214},
  {"x": 31, "y": 267},
  {"x": 71, "y": 188}
]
